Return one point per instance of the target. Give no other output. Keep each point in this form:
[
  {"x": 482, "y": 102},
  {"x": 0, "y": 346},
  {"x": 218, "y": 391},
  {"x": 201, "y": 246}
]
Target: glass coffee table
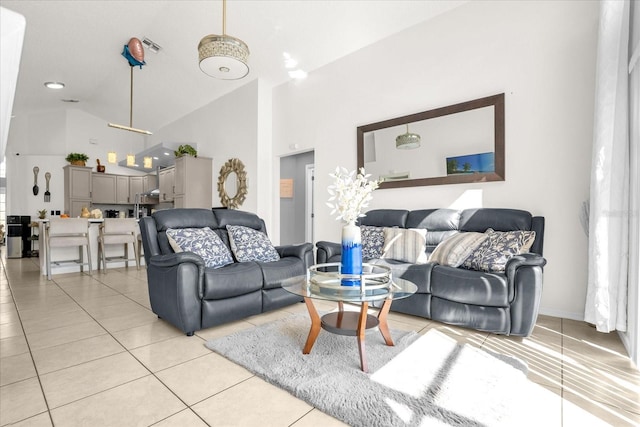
[{"x": 324, "y": 282}]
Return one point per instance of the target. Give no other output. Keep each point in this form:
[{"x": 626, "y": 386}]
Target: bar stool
[
  {"x": 118, "y": 232},
  {"x": 68, "y": 232}
]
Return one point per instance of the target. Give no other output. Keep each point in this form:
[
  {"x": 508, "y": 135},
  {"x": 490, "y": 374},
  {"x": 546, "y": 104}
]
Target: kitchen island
[{"x": 72, "y": 252}]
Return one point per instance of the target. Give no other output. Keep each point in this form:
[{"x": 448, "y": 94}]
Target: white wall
[
  {"x": 224, "y": 129},
  {"x": 540, "y": 54}
]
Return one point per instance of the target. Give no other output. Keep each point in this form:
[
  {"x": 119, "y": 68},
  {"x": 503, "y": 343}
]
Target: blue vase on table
[{"x": 351, "y": 259}]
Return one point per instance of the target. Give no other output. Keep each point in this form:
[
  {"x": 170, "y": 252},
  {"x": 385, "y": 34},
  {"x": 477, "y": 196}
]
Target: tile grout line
[{"x": 35, "y": 368}]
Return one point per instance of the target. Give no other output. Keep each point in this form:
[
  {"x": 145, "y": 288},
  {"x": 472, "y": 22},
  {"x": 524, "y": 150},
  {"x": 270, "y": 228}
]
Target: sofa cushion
[
  {"x": 248, "y": 244},
  {"x": 372, "y": 241},
  {"x": 493, "y": 254},
  {"x": 406, "y": 245},
  {"x": 418, "y": 274},
  {"x": 235, "y": 279},
  {"x": 275, "y": 272},
  {"x": 201, "y": 241},
  {"x": 470, "y": 287},
  {"x": 454, "y": 250}
]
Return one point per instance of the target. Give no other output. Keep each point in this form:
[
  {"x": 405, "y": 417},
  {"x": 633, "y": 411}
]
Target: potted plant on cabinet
[
  {"x": 77, "y": 159},
  {"x": 186, "y": 150}
]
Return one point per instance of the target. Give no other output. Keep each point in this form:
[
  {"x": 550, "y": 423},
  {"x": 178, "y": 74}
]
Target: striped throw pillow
[
  {"x": 456, "y": 248},
  {"x": 406, "y": 245}
]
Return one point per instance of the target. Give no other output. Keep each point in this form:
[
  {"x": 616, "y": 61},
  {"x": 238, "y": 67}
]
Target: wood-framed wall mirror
[{"x": 456, "y": 144}]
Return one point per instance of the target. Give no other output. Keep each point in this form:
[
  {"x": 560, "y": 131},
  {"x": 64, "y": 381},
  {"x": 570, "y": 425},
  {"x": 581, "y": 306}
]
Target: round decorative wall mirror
[{"x": 232, "y": 184}]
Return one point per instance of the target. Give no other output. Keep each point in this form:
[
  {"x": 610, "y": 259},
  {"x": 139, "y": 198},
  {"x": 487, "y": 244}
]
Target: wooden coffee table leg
[
  {"x": 383, "y": 325},
  {"x": 360, "y": 334},
  {"x": 315, "y": 326}
]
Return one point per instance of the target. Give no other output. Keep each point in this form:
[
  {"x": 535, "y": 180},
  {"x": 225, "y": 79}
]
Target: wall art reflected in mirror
[{"x": 461, "y": 143}]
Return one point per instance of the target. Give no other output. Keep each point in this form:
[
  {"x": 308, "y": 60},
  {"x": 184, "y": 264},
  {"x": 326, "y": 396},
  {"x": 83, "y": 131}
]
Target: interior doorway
[{"x": 296, "y": 198}]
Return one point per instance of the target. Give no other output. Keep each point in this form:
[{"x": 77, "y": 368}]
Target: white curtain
[{"x": 606, "y": 304}]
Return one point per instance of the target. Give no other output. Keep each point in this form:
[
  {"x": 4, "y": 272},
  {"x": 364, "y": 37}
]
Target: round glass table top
[{"x": 334, "y": 290}]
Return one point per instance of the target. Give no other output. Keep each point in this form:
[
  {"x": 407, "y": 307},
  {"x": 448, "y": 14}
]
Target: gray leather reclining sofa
[
  {"x": 191, "y": 296},
  {"x": 503, "y": 303}
]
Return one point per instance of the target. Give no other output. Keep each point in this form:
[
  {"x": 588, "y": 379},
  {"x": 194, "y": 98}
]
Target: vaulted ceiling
[{"x": 79, "y": 43}]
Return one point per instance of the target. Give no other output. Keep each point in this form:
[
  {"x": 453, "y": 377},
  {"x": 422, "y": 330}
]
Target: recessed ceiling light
[{"x": 54, "y": 85}]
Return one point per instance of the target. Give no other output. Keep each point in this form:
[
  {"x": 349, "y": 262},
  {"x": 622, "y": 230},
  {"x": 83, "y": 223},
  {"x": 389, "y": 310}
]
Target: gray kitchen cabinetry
[
  {"x": 193, "y": 182},
  {"x": 122, "y": 189},
  {"x": 136, "y": 186},
  {"x": 167, "y": 184},
  {"x": 103, "y": 188},
  {"x": 77, "y": 189}
]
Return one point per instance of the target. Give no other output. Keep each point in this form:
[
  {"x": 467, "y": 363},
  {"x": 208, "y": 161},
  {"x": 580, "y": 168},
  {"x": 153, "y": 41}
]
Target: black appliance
[
  {"x": 109, "y": 213},
  {"x": 18, "y": 234}
]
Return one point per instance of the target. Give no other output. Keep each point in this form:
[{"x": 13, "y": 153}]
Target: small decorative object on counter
[
  {"x": 77, "y": 159},
  {"x": 42, "y": 214},
  {"x": 350, "y": 194},
  {"x": 85, "y": 212},
  {"x": 96, "y": 213},
  {"x": 99, "y": 167}
]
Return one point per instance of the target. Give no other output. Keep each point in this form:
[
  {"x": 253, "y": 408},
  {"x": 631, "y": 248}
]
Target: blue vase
[{"x": 351, "y": 259}]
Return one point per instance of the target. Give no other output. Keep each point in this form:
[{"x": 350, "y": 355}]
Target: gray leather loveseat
[
  {"x": 191, "y": 296},
  {"x": 500, "y": 302}
]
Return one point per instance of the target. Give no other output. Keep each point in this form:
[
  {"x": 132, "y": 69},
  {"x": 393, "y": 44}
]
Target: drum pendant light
[
  {"x": 222, "y": 56},
  {"x": 408, "y": 140}
]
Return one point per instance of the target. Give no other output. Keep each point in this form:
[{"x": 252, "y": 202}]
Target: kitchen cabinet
[
  {"x": 77, "y": 189},
  {"x": 103, "y": 188},
  {"x": 167, "y": 184},
  {"x": 136, "y": 186},
  {"x": 193, "y": 182},
  {"x": 122, "y": 189},
  {"x": 149, "y": 182}
]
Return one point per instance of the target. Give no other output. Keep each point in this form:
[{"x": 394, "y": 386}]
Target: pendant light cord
[
  {"x": 131, "y": 100},
  {"x": 224, "y": 17}
]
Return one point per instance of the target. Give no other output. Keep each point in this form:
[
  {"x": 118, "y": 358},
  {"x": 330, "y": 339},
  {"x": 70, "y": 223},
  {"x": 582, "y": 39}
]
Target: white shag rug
[{"x": 428, "y": 380}]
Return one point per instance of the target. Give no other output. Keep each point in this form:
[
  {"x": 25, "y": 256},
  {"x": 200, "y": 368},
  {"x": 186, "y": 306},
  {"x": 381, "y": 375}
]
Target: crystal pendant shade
[
  {"x": 223, "y": 57},
  {"x": 408, "y": 141}
]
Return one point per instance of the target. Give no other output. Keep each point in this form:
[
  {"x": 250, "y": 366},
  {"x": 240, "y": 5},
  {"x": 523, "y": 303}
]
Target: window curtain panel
[{"x": 606, "y": 303}]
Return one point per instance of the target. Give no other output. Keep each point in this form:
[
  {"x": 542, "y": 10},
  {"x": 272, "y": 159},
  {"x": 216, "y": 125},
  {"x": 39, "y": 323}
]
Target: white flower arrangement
[{"x": 350, "y": 194}]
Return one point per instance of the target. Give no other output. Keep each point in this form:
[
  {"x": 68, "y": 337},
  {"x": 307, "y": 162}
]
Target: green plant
[
  {"x": 42, "y": 214},
  {"x": 186, "y": 150},
  {"x": 76, "y": 157}
]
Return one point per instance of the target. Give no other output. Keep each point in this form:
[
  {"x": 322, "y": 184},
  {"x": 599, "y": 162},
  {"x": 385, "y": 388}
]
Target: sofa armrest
[
  {"x": 523, "y": 260},
  {"x": 176, "y": 289},
  {"x": 303, "y": 251},
  {"x": 524, "y": 274},
  {"x": 327, "y": 250},
  {"x": 172, "y": 260}
]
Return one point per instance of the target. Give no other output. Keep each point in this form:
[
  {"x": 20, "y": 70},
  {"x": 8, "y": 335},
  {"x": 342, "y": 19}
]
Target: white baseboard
[{"x": 562, "y": 314}]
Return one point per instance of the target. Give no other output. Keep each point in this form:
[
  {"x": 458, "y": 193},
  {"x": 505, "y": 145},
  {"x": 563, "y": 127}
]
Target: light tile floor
[{"x": 83, "y": 350}]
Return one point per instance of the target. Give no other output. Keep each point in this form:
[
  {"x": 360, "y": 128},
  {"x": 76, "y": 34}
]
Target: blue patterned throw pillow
[
  {"x": 201, "y": 241},
  {"x": 248, "y": 244},
  {"x": 372, "y": 241},
  {"x": 497, "y": 249}
]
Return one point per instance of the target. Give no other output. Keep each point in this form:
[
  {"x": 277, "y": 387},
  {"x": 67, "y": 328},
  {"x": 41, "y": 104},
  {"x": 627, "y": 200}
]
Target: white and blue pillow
[
  {"x": 201, "y": 241},
  {"x": 248, "y": 244},
  {"x": 372, "y": 241}
]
